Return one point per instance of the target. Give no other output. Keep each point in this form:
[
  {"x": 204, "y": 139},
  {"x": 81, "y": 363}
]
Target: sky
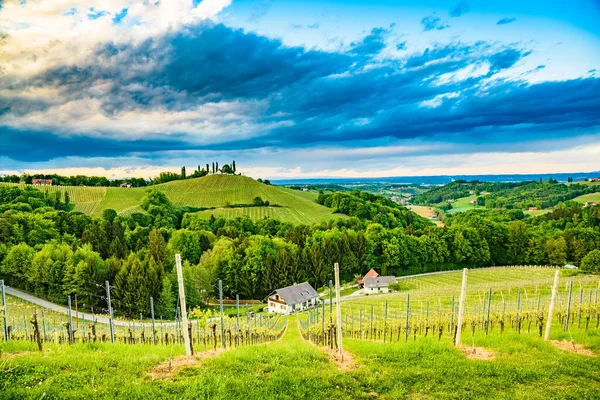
[{"x": 287, "y": 89}]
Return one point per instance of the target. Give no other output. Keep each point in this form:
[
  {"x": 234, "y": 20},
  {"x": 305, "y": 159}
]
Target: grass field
[
  {"x": 588, "y": 197},
  {"x": 427, "y": 212},
  {"x": 207, "y": 192},
  {"x": 463, "y": 204},
  {"x": 524, "y": 367}
]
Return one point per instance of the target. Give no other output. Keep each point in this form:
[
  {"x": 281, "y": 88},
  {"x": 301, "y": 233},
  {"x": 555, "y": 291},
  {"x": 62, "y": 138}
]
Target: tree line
[{"x": 82, "y": 180}]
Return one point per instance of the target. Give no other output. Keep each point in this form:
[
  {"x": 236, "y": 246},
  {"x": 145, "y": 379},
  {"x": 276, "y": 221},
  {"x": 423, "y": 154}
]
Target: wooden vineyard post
[
  {"x": 4, "y": 312},
  {"x": 487, "y": 323},
  {"x": 110, "y": 313},
  {"x": 237, "y": 313},
  {"x": 323, "y": 322},
  {"x": 461, "y": 307},
  {"x": 221, "y": 314},
  {"x": 152, "y": 317},
  {"x": 44, "y": 324},
  {"x": 336, "y": 269},
  {"x": 71, "y": 335},
  {"x": 385, "y": 321},
  {"x": 569, "y": 306},
  {"x": 407, "y": 314},
  {"x": 360, "y": 323},
  {"x": 551, "y": 307},
  {"x": 330, "y": 314},
  {"x": 452, "y": 319},
  {"x": 186, "y": 337}
]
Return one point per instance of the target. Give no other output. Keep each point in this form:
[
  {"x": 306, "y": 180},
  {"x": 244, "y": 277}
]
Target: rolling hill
[{"x": 213, "y": 191}]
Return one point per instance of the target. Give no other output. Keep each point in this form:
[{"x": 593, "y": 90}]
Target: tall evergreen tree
[{"x": 165, "y": 306}]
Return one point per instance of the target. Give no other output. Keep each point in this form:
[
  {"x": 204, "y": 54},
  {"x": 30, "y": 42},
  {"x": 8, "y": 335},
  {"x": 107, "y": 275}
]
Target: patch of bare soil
[
  {"x": 343, "y": 363},
  {"x": 477, "y": 353},
  {"x": 572, "y": 347},
  {"x": 167, "y": 369}
]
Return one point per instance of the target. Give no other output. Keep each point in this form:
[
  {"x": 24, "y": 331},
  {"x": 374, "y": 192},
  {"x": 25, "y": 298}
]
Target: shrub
[{"x": 591, "y": 262}]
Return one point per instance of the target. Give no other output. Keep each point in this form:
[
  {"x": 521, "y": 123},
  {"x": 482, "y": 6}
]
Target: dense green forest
[
  {"x": 509, "y": 195},
  {"x": 53, "y": 252}
]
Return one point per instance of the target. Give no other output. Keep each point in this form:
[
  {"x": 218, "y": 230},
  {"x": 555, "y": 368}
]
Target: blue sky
[{"x": 300, "y": 89}]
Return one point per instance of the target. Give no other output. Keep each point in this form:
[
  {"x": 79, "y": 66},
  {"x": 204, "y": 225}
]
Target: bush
[{"x": 591, "y": 262}]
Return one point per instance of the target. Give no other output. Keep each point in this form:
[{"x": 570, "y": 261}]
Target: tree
[
  {"x": 183, "y": 172},
  {"x": 233, "y": 166},
  {"x": 16, "y": 266},
  {"x": 591, "y": 262},
  {"x": 557, "y": 251},
  {"x": 109, "y": 215},
  {"x": 165, "y": 306},
  {"x": 207, "y": 170},
  {"x": 258, "y": 201}
]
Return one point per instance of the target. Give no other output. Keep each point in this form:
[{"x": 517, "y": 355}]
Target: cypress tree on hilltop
[{"x": 233, "y": 166}]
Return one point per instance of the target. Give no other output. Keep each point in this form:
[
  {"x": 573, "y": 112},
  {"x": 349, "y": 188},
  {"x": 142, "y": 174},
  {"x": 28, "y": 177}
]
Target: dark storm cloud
[
  {"x": 35, "y": 145},
  {"x": 339, "y": 97}
]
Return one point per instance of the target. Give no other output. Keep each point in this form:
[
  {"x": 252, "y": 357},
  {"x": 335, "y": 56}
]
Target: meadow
[
  {"x": 520, "y": 363},
  {"x": 595, "y": 197},
  {"x": 212, "y": 191}
]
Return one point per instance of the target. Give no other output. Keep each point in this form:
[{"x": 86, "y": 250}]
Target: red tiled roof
[{"x": 371, "y": 274}]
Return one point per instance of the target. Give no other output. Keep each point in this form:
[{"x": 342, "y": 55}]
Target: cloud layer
[{"x": 186, "y": 83}]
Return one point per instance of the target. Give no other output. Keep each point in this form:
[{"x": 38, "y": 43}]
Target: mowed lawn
[
  {"x": 524, "y": 367},
  {"x": 213, "y": 191}
]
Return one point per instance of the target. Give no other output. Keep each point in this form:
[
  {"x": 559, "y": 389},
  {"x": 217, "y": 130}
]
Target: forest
[
  {"x": 53, "y": 252},
  {"x": 510, "y": 195}
]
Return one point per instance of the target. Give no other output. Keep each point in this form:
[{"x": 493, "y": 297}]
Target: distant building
[
  {"x": 471, "y": 192},
  {"x": 125, "y": 185},
  {"x": 532, "y": 208},
  {"x": 473, "y": 201},
  {"x": 371, "y": 274},
  {"x": 297, "y": 297},
  {"x": 570, "y": 266},
  {"x": 379, "y": 284},
  {"x": 42, "y": 182},
  {"x": 590, "y": 203},
  {"x": 594, "y": 179}
]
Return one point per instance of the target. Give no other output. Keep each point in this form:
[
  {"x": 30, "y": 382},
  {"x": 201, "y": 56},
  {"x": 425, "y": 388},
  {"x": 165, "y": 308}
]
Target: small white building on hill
[
  {"x": 378, "y": 284},
  {"x": 297, "y": 297}
]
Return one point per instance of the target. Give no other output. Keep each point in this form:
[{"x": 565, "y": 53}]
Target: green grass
[
  {"x": 210, "y": 191},
  {"x": 588, "y": 197},
  {"x": 463, "y": 204},
  {"x": 292, "y": 368}
]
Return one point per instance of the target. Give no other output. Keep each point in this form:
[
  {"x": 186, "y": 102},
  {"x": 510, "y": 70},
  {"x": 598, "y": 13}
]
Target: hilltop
[{"x": 215, "y": 192}]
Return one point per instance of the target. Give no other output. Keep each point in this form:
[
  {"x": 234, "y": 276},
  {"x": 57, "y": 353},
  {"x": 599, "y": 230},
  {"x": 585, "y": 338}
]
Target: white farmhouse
[
  {"x": 378, "y": 284},
  {"x": 297, "y": 297}
]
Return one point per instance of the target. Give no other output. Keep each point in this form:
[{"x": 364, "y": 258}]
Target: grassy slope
[
  {"x": 588, "y": 197},
  {"x": 209, "y": 191},
  {"x": 292, "y": 369}
]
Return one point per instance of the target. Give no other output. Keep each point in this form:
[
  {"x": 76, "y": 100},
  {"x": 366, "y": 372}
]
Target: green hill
[{"x": 213, "y": 191}]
